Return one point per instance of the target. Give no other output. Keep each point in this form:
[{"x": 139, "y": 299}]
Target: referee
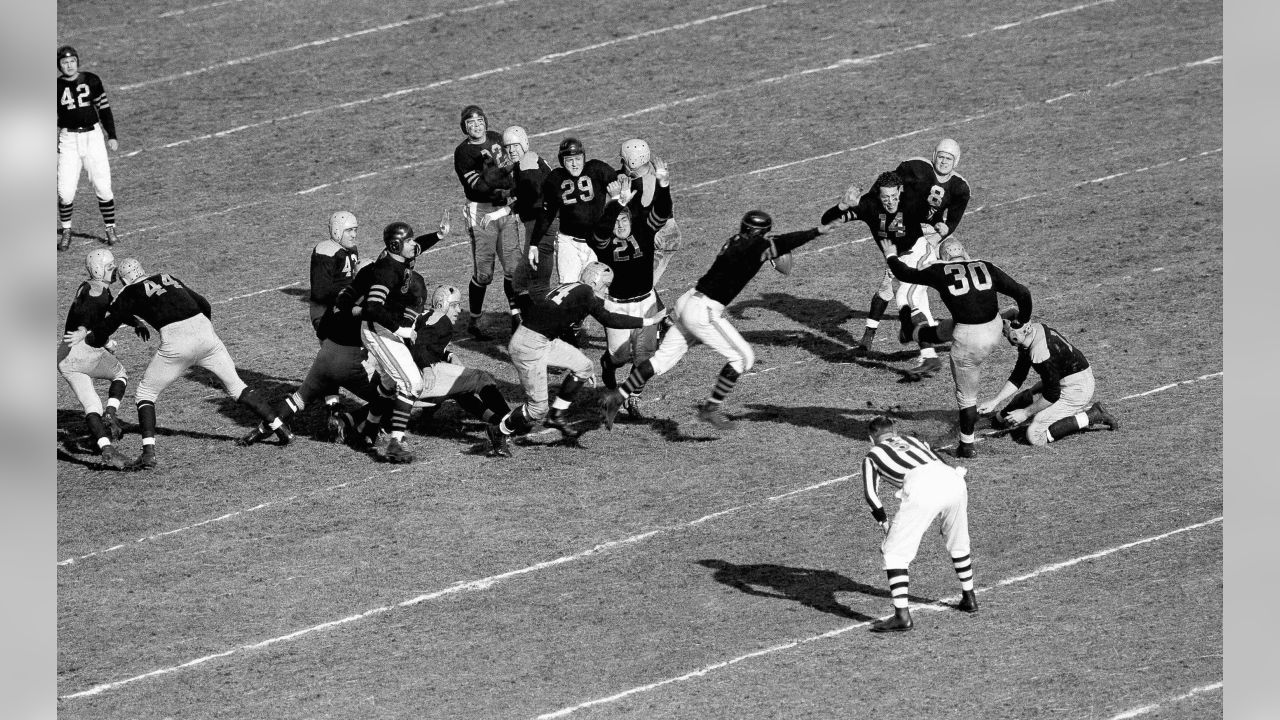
[{"x": 928, "y": 488}]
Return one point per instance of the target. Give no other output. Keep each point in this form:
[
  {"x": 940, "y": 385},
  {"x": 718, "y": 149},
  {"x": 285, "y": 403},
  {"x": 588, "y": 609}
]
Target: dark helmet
[
  {"x": 571, "y": 146},
  {"x": 756, "y": 223},
  {"x": 67, "y": 51},
  {"x": 472, "y": 111},
  {"x": 396, "y": 236}
]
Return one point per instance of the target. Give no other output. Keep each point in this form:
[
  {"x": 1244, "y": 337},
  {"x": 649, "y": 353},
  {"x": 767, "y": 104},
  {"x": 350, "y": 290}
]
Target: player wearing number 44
[{"x": 970, "y": 289}]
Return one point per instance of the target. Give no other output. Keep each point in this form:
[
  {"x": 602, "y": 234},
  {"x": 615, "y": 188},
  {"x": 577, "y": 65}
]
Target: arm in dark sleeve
[
  {"x": 1020, "y": 368},
  {"x": 101, "y": 332},
  {"x": 661, "y": 210},
  {"x": 103, "y": 107},
  {"x": 905, "y": 272},
  {"x": 603, "y": 230},
  {"x": 614, "y": 320},
  {"x": 325, "y": 270},
  {"x": 787, "y": 242},
  {"x": 550, "y": 206},
  {"x": 955, "y": 209},
  {"x": 427, "y": 241},
  {"x": 834, "y": 213},
  {"x": 1014, "y": 289}
]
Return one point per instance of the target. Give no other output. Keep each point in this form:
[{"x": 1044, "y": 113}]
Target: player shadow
[
  {"x": 827, "y": 351},
  {"x": 825, "y": 315},
  {"x": 847, "y": 422},
  {"x": 302, "y": 293},
  {"x": 272, "y": 389},
  {"x": 812, "y": 588}
]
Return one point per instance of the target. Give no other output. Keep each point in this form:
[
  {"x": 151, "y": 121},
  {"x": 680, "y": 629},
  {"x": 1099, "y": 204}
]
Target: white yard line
[
  {"x": 395, "y": 94},
  {"x": 489, "y": 582},
  {"x": 837, "y": 65},
  {"x": 938, "y": 606},
  {"x": 1185, "y": 696}
]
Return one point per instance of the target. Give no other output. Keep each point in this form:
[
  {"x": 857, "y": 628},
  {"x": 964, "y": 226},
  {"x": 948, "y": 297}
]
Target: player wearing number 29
[
  {"x": 186, "y": 338},
  {"x": 84, "y": 115},
  {"x": 970, "y": 289}
]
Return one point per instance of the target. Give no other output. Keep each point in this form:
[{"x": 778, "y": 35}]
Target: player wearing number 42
[
  {"x": 970, "y": 289},
  {"x": 84, "y": 116}
]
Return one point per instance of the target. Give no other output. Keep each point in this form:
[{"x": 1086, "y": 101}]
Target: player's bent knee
[{"x": 1038, "y": 435}]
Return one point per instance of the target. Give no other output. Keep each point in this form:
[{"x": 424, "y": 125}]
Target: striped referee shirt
[{"x": 890, "y": 460}]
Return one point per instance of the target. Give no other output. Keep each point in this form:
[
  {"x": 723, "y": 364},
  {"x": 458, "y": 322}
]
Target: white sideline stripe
[
  {"x": 310, "y": 44},
  {"x": 1172, "y": 385},
  {"x": 938, "y": 606},
  {"x": 488, "y": 582},
  {"x": 1185, "y": 696},
  {"x": 838, "y": 65},
  {"x": 255, "y": 292},
  {"x": 438, "y": 83},
  {"x": 87, "y": 31},
  {"x": 197, "y": 8},
  {"x": 980, "y": 116}
]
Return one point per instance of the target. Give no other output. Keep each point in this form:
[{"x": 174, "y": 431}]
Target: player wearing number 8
[{"x": 969, "y": 288}]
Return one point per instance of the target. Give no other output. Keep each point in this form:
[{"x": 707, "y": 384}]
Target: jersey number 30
[{"x": 966, "y": 275}]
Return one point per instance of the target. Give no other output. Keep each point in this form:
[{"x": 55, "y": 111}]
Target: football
[{"x": 783, "y": 263}]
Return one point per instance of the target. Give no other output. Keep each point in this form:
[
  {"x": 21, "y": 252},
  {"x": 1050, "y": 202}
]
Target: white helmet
[
  {"x": 950, "y": 147},
  {"x": 444, "y": 296},
  {"x": 339, "y": 223},
  {"x": 130, "y": 271},
  {"x": 101, "y": 265},
  {"x": 598, "y": 275},
  {"x": 951, "y": 249},
  {"x": 635, "y": 154},
  {"x": 515, "y": 135}
]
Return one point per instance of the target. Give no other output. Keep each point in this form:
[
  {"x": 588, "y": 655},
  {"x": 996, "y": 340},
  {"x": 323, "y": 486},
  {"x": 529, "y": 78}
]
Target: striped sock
[
  {"x": 64, "y": 213},
  {"x": 964, "y": 571},
  {"x": 108, "y": 210},
  {"x": 725, "y": 383},
  {"x": 899, "y": 583}
]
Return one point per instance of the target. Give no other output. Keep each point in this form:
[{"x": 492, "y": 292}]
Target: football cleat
[
  {"x": 114, "y": 430},
  {"x": 284, "y": 434},
  {"x": 499, "y": 444},
  {"x": 1104, "y": 417},
  {"x": 966, "y": 450},
  {"x": 927, "y": 367},
  {"x": 473, "y": 328},
  {"x": 257, "y": 434},
  {"x": 864, "y": 345},
  {"x": 968, "y": 602},
  {"x": 610, "y": 404},
  {"x": 713, "y": 413},
  {"x": 397, "y": 453},
  {"x": 112, "y": 458},
  {"x": 632, "y": 405},
  {"x": 145, "y": 461},
  {"x": 111, "y": 235},
  {"x": 64, "y": 240},
  {"x": 558, "y": 419},
  {"x": 893, "y": 624}
]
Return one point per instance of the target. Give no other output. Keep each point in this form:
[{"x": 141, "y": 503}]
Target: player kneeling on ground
[{"x": 1061, "y": 403}]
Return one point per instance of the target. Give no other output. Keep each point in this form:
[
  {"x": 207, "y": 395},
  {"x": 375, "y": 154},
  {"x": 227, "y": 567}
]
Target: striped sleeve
[{"x": 871, "y": 487}]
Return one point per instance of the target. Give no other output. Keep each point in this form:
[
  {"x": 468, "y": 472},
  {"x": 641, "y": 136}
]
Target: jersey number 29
[{"x": 571, "y": 193}]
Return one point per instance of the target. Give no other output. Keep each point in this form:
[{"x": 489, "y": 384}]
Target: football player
[
  {"x": 625, "y": 239},
  {"x": 575, "y": 193},
  {"x": 529, "y": 171},
  {"x": 639, "y": 165},
  {"x": 700, "y": 313},
  {"x": 187, "y": 338},
  {"x": 537, "y": 344},
  {"x": 81, "y": 364},
  {"x": 895, "y": 222},
  {"x": 84, "y": 118},
  {"x": 333, "y": 265},
  {"x": 481, "y": 165},
  {"x": 970, "y": 289},
  {"x": 1061, "y": 403},
  {"x": 387, "y": 296}
]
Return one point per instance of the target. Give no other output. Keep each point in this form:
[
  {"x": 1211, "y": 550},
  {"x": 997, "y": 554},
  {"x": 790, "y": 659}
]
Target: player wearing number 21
[{"x": 969, "y": 289}]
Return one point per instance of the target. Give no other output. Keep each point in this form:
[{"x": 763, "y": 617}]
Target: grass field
[{"x": 662, "y": 570}]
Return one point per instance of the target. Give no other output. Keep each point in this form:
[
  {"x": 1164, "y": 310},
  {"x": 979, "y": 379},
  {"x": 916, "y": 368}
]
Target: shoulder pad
[{"x": 328, "y": 248}]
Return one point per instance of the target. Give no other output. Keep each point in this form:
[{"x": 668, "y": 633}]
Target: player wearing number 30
[{"x": 969, "y": 289}]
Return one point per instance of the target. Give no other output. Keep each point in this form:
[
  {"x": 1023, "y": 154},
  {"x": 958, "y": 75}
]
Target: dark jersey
[
  {"x": 388, "y": 293},
  {"x": 159, "y": 299},
  {"x": 528, "y": 188},
  {"x": 481, "y": 168},
  {"x": 631, "y": 258},
  {"x": 432, "y": 344},
  {"x": 970, "y": 289},
  {"x": 740, "y": 259},
  {"x": 942, "y": 201},
  {"x": 82, "y": 102},
  {"x": 568, "y": 305},
  {"x": 902, "y": 228},
  {"x": 1053, "y": 358},
  {"x": 333, "y": 267},
  {"x": 340, "y": 326},
  {"x": 89, "y": 306},
  {"x": 578, "y": 202}
]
